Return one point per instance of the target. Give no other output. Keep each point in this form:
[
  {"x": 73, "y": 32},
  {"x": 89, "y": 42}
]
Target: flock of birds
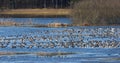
[{"x": 65, "y": 38}]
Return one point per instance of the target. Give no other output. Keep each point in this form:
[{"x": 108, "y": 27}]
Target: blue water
[
  {"x": 83, "y": 54},
  {"x": 39, "y": 20}
]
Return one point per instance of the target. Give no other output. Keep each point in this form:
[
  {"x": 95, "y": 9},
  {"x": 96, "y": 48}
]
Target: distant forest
[{"x": 21, "y": 4}]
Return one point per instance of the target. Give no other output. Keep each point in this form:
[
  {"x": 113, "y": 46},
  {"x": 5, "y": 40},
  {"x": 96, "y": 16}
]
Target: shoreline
[
  {"x": 31, "y": 13},
  {"x": 32, "y": 16},
  {"x": 29, "y": 24}
]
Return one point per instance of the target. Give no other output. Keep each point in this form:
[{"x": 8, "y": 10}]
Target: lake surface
[
  {"x": 99, "y": 44},
  {"x": 38, "y": 20}
]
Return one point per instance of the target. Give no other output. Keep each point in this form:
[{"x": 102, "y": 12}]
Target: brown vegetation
[
  {"x": 53, "y": 54},
  {"x": 8, "y": 23},
  {"x": 37, "y": 53},
  {"x": 57, "y": 25},
  {"x": 96, "y": 12},
  {"x": 29, "y": 23},
  {"x": 37, "y": 12}
]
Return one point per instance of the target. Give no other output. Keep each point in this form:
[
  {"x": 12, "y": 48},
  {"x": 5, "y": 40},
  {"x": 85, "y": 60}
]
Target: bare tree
[
  {"x": 45, "y": 3},
  {"x": 96, "y": 12},
  {"x": 56, "y": 3}
]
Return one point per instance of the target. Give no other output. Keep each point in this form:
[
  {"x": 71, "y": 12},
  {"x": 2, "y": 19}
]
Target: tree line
[{"x": 21, "y": 4}]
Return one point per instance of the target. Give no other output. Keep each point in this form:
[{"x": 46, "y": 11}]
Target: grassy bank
[{"x": 35, "y": 12}]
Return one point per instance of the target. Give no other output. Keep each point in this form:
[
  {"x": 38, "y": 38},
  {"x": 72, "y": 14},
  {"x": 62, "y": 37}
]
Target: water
[
  {"x": 99, "y": 44},
  {"x": 38, "y": 20}
]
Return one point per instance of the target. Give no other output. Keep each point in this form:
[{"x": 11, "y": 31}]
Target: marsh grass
[
  {"x": 54, "y": 54},
  {"x": 31, "y": 24},
  {"x": 48, "y": 54},
  {"x": 57, "y": 25},
  {"x": 13, "y": 53},
  {"x": 7, "y": 23}
]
